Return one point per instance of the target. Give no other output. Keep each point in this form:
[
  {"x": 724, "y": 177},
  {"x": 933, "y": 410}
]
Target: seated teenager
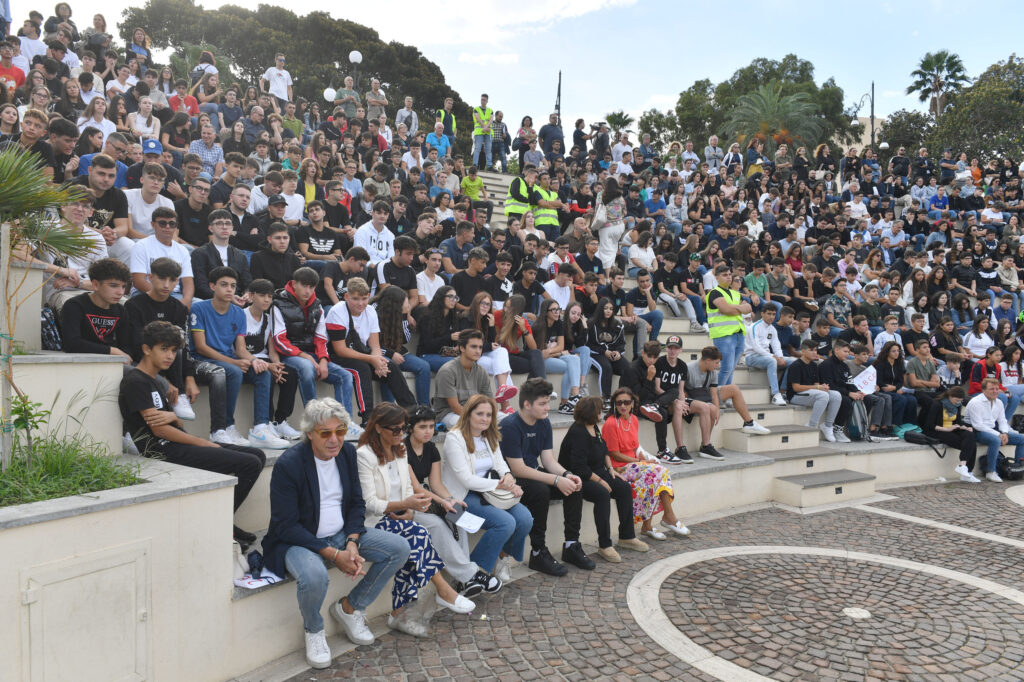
[
  {"x": 459, "y": 380},
  {"x": 439, "y": 329},
  {"x": 278, "y": 262},
  {"x": 879, "y": 403},
  {"x": 218, "y": 252},
  {"x": 891, "y": 378},
  {"x": 549, "y": 334},
  {"x": 94, "y": 321},
  {"x": 158, "y": 433},
  {"x": 607, "y": 341},
  {"x": 496, "y": 359},
  {"x": 764, "y": 351},
  {"x": 322, "y": 522},
  {"x": 702, "y": 383},
  {"x": 161, "y": 244},
  {"x": 259, "y": 343},
  {"x": 806, "y": 388},
  {"x": 945, "y": 422},
  {"x": 526, "y": 439}
]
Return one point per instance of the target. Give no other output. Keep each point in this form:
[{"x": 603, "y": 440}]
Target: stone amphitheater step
[
  {"x": 781, "y": 438},
  {"x": 811, "y": 490},
  {"x": 799, "y": 461}
]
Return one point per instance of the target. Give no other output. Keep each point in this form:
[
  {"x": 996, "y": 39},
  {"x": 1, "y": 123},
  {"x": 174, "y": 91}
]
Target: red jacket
[{"x": 979, "y": 372}]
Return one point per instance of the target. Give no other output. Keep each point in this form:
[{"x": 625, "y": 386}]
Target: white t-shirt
[
  {"x": 560, "y": 294},
  {"x": 331, "y": 521},
  {"x": 380, "y": 245},
  {"x": 426, "y": 287},
  {"x": 106, "y": 126},
  {"x": 32, "y": 48},
  {"x": 149, "y": 249},
  {"x": 482, "y": 462},
  {"x": 118, "y": 89},
  {"x": 279, "y": 80},
  {"x": 141, "y": 213},
  {"x": 296, "y": 205},
  {"x": 364, "y": 324}
]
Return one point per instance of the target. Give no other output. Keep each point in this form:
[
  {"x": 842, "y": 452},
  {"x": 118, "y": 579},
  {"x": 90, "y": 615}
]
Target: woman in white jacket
[
  {"x": 470, "y": 453},
  {"x": 394, "y": 498}
]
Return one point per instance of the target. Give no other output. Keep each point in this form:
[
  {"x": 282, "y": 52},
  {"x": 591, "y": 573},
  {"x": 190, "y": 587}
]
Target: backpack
[
  {"x": 1009, "y": 470},
  {"x": 917, "y": 438},
  {"x": 857, "y": 427},
  {"x": 51, "y": 338},
  {"x": 1017, "y": 422}
]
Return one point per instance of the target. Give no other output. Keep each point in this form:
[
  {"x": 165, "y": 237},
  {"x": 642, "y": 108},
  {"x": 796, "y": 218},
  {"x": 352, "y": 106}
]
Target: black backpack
[
  {"x": 918, "y": 438},
  {"x": 1009, "y": 470}
]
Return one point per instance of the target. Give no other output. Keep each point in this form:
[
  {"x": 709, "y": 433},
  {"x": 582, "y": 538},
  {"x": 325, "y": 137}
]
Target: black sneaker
[
  {"x": 543, "y": 562},
  {"x": 573, "y": 399},
  {"x": 683, "y": 455},
  {"x": 574, "y": 554},
  {"x": 709, "y": 452},
  {"x": 566, "y": 408},
  {"x": 480, "y": 582},
  {"x": 665, "y": 456},
  {"x": 244, "y": 538}
]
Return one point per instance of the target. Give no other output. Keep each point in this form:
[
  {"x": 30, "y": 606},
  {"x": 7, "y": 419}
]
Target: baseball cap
[
  {"x": 152, "y": 146},
  {"x": 205, "y": 176},
  {"x": 694, "y": 256},
  {"x": 674, "y": 341},
  {"x": 276, "y": 199}
]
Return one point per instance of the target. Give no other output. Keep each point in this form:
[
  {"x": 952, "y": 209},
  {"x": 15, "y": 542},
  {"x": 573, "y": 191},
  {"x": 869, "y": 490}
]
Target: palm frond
[
  {"x": 49, "y": 237},
  {"x": 24, "y": 189}
]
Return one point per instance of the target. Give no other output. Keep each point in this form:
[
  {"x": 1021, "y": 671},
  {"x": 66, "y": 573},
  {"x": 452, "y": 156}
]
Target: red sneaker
[
  {"x": 506, "y": 393},
  {"x": 651, "y": 412}
]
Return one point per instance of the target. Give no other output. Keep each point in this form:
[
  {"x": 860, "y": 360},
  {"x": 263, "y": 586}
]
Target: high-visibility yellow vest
[
  {"x": 514, "y": 205},
  {"x": 720, "y": 324},
  {"x": 486, "y": 114},
  {"x": 545, "y": 216}
]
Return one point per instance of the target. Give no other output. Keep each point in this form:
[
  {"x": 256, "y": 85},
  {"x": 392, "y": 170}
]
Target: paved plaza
[{"x": 922, "y": 586}]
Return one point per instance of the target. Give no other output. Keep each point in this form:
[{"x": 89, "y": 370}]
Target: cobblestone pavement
[{"x": 777, "y": 615}]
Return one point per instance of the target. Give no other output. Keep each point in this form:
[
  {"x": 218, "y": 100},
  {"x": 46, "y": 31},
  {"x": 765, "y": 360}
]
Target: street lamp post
[
  {"x": 355, "y": 57},
  {"x": 869, "y": 97}
]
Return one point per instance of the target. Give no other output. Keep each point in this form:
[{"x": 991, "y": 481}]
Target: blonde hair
[
  {"x": 357, "y": 286},
  {"x": 491, "y": 434}
]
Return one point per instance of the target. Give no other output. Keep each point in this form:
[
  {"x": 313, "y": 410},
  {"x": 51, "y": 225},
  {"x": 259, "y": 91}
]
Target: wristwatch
[{"x": 355, "y": 540}]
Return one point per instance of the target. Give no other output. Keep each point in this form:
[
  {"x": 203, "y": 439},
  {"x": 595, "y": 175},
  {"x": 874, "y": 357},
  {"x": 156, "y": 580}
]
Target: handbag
[
  {"x": 820, "y": 174},
  {"x": 600, "y": 218},
  {"x": 497, "y": 498}
]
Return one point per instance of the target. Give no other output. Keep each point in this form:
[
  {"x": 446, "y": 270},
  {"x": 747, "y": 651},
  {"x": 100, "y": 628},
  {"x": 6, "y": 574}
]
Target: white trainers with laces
[
  {"x": 502, "y": 570},
  {"x": 993, "y": 476},
  {"x": 841, "y": 437},
  {"x": 778, "y": 399},
  {"x": 183, "y": 408},
  {"x": 284, "y": 430},
  {"x": 318, "y": 654},
  {"x": 235, "y": 436},
  {"x": 354, "y": 624},
  {"x": 827, "y": 432},
  {"x": 265, "y": 436},
  {"x": 754, "y": 427},
  {"x": 961, "y": 469}
]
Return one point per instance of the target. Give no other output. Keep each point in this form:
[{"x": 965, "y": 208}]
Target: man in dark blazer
[
  {"x": 209, "y": 256},
  {"x": 316, "y": 520}
]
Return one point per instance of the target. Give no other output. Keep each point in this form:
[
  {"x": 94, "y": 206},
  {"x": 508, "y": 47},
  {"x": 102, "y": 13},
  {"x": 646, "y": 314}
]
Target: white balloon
[{"x": 330, "y": 94}]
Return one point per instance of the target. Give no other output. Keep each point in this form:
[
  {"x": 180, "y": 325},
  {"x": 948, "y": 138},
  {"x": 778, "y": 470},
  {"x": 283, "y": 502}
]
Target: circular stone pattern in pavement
[{"x": 782, "y": 616}]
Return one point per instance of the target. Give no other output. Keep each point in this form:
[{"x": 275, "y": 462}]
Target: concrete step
[
  {"x": 781, "y": 438},
  {"x": 799, "y": 461},
  {"x": 826, "y": 487}
]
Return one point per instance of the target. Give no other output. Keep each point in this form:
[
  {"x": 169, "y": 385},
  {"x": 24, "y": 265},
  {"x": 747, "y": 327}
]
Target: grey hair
[{"x": 319, "y": 411}]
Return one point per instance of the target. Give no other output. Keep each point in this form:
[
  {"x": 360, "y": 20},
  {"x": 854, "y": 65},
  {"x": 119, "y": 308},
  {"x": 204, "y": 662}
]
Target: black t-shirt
[
  {"x": 499, "y": 289},
  {"x": 337, "y": 215},
  {"x": 529, "y": 293},
  {"x": 554, "y": 332},
  {"x": 670, "y": 377},
  {"x": 193, "y": 224},
  {"x": 824, "y": 344},
  {"x": 338, "y": 279},
  {"x": 320, "y": 243},
  {"x": 964, "y": 276},
  {"x": 618, "y": 298},
  {"x": 421, "y": 464},
  {"x": 669, "y": 278},
  {"x": 585, "y": 264},
  {"x": 467, "y": 286},
  {"x": 800, "y": 372},
  {"x": 403, "y": 278},
  {"x": 220, "y": 192},
  {"x": 851, "y": 336},
  {"x": 112, "y": 205},
  {"x": 910, "y": 339},
  {"x": 691, "y": 280},
  {"x": 40, "y": 147},
  {"x": 139, "y": 392}
]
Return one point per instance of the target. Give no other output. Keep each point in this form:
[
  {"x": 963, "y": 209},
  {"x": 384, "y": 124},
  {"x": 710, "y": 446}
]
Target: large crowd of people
[{"x": 245, "y": 235}]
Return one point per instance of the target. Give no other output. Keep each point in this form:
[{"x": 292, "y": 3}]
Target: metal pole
[
  {"x": 6, "y": 433},
  {"x": 558, "y": 99},
  {"x": 872, "y": 114}
]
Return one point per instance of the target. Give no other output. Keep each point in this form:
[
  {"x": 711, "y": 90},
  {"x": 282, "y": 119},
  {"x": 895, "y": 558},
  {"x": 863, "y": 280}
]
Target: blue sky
[{"x": 638, "y": 54}]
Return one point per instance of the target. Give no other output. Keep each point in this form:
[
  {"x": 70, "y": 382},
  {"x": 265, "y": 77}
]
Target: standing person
[
  {"x": 471, "y": 465},
  {"x": 988, "y": 419},
  {"x": 396, "y": 501},
  {"x": 806, "y": 388},
  {"x": 615, "y": 215},
  {"x": 527, "y": 445},
  {"x": 651, "y": 482},
  {"x": 277, "y": 82},
  {"x": 945, "y": 422},
  {"x": 482, "y": 118},
  {"x": 517, "y": 201},
  {"x": 157, "y": 432},
  {"x": 725, "y": 310},
  {"x": 317, "y": 514},
  {"x": 584, "y": 452}
]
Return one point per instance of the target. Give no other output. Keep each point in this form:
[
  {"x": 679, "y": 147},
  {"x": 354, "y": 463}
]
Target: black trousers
[
  {"x": 529, "y": 361},
  {"x": 963, "y": 441},
  {"x": 363, "y": 387},
  {"x": 240, "y": 461},
  {"x": 601, "y": 498},
  {"x": 537, "y": 498},
  {"x": 606, "y": 369},
  {"x": 285, "y": 396},
  {"x": 845, "y": 410}
]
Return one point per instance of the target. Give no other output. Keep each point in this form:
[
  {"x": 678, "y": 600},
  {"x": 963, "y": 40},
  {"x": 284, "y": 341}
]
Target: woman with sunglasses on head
[
  {"x": 472, "y": 465},
  {"x": 395, "y": 501},
  {"x": 452, "y": 545},
  {"x": 650, "y": 481}
]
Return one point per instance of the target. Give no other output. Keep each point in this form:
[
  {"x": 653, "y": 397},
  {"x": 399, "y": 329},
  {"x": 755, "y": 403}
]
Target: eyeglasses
[
  {"x": 623, "y": 402},
  {"x": 324, "y": 434},
  {"x": 201, "y": 189},
  {"x": 395, "y": 430},
  {"x": 554, "y": 310},
  {"x": 165, "y": 223},
  {"x": 454, "y": 297}
]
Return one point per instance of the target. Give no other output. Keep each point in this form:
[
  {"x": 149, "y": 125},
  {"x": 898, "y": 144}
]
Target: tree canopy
[
  {"x": 703, "y": 109},
  {"x": 938, "y": 77},
  {"x": 313, "y": 43},
  {"x": 775, "y": 118}
]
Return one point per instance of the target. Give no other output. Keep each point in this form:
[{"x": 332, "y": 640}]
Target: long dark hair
[
  {"x": 611, "y": 191},
  {"x": 389, "y": 302},
  {"x": 436, "y": 316},
  {"x": 540, "y": 327},
  {"x": 883, "y": 355},
  {"x": 599, "y": 319},
  {"x": 515, "y": 305},
  {"x": 383, "y": 414}
]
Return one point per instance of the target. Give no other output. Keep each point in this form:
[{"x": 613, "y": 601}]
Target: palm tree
[
  {"x": 619, "y": 121},
  {"x": 939, "y": 75},
  {"x": 185, "y": 59},
  {"x": 775, "y": 118}
]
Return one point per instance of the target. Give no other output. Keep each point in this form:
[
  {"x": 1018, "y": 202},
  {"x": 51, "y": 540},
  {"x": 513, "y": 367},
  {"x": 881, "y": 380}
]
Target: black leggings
[
  {"x": 961, "y": 440},
  {"x": 606, "y": 368},
  {"x": 537, "y": 497},
  {"x": 623, "y": 496},
  {"x": 240, "y": 461},
  {"x": 285, "y": 396},
  {"x": 529, "y": 361}
]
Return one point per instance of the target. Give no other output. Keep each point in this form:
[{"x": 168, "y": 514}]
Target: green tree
[
  {"x": 619, "y": 122},
  {"x": 314, "y": 43},
  {"x": 775, "y": 118},
  {"x": 938, "y": 77},
  {"x": 987, "y": 118},
  {"x": 660, "y": 125},
  {"x": 907, "y": 129}
]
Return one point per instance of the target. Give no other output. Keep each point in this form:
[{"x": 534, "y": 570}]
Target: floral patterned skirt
[
  {"x": 423, "y": 561},
  {"x": 648, "y": 481}
]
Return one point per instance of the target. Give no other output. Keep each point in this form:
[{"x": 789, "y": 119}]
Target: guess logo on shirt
[{"x": 101, "y": 325}]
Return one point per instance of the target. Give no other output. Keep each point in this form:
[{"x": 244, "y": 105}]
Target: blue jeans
[
  {"x": 991, "y": 441},
  {"x": 569, "y": 366},
  {"x": 770, "y": 367},
  {"x": 1016, "y": 393},
  {"x": 340, "y": 377},
  {"x": 499, "y": 154},
  {"x": 436, "y": 362},
  {"x": 731, "y": 347},
  {"x": 386, "y": 553},
  {"x": 504, "y": 530},
  {"x": 261, "y": 391},
  {"x": 421, "y": 368},
  {"x": 652, "y": 319},
  {"x": 482, "y": 142},
  {"x": 585, "y": 362},
  {"x": 698, "y": 307}
]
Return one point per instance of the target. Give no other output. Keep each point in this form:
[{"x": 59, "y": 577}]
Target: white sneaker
[
  {"x": 354, "y": 624},
  {"x": 221, "y": 437},
  {"x": 754, "y": 427},
  {"x": 354, "y": 431},
  {"x": 707, "y": 329},
  {"x": 969, "y": 478},
  {"x": 284, "y": 430},
  {"x": 961, "y": 469},
  {"x": 994, "y": 477},
  {"x": 183, "y": 408},
  {"x": 128, "y": 445},
  {"x": 235, "y": 436},
  {"x": 502, "y": 570},
  {"x": 318, "y": 654},
  {"x": 840, "y": 436},
  {"x": 405, "y": 623},
  {"x": 460, "y": 605},
  {"x": 264, "y": 436},
  {"x": 827, "y": 432},
  {"x": 777, "y": 399}
]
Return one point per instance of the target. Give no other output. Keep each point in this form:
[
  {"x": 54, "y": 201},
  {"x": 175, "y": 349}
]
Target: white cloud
[{"x": 484, "y": 59}]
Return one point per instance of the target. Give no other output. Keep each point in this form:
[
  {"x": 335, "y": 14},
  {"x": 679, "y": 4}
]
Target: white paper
[
  {"x": 470, "y": 523},
  {"x": 866, "y": 380},
  {"x": 267, "y": 577}
]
